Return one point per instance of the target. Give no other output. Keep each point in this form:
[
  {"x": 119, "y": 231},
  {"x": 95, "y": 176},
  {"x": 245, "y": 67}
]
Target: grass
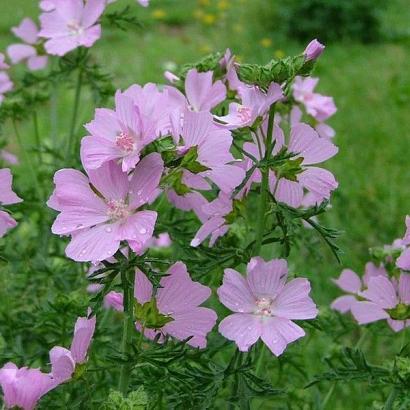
[{"x": 371, "y": 87}]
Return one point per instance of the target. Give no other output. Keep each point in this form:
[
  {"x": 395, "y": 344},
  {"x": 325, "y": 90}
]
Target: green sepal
[
  {"x": 289, "y": 169},
  {"x": 149, "y": 315},
  {"x": 400, "y": 312},
  {"x": 190, "y": 162}
]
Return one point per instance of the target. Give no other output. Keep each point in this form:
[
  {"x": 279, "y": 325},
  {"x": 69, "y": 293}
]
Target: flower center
[
  {"x": 75, "y": 28},
  {"x": 263, "y": 306},
  {"x": 125, "y": 142},
  {"x": 244, "y": 113},
  {"x": 117, "y": 209}
]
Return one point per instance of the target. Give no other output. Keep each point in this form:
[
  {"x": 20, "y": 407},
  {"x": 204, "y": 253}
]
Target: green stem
[
  {"x": 75, "y": 114},
  {"x": 328, "y": 395},
  {"x": 391, "y": 399},
  {"x": 37, "y": 137},
  {"x": 259, "y": 361},
  {"x": 29, "y": 163},
  {"x": 264, "y": 185},
  {"x": 127, "y": 279}
]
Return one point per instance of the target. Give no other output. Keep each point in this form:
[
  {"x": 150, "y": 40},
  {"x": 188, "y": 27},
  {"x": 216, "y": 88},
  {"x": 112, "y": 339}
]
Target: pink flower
[
  {"x": 215, "y": 224},
  {"x": 254, "y": 103},
  {"x": 192, "y": 201},
  {"x": 403, "y": 261},
  {"x": 24, "y": 387},
  {"x": 48, "y": 5},
  {"x": 202, "y": 94},
  {"x": 140, "y": 117},
  {"x": 7, "y": 197},
  {"x": 6, "y": 85},
  {"x": 264, "y": 305},
  {"x": 99, "y": 222},
  {"x": 71, "y": 24},
  {"x": 351, "y": 283},
  {"x": 213, "y": 146},
  {"x": 310, "y": 149},
  {"x": 9, "y": 157},
  {"x": 385, "y": 301},
  {"x": 64, "y": 361},
  {"x": 3, "y": 64},
  {"x": 313, "y": 50},
  {"x": 318, "y": 106},
  {"x": 171, "y": 77},
  {"x": 28, "y": 32},
  {"x": 114, "y": 300},
  {"x": 178, "y": 298},
  {"x": 324, "y": 130}
]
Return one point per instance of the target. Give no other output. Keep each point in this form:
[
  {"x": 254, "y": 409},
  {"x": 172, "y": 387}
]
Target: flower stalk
[
  {"x": 264, "y": 184},
  {"x": 127, "y": 279}
]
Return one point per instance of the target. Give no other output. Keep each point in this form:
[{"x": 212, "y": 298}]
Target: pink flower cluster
[
  {"x": 378, "y": 296},
  {"x": 24, "y": 387},
  {"x": 7, "y": 197}
]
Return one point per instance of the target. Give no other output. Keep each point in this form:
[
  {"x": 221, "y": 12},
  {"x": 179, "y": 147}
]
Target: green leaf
[
  {"x": 149, "y": 315},
  {"x": 190, "y": 162}
]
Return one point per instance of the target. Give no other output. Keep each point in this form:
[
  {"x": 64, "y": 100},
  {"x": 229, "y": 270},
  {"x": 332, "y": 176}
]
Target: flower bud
[{"x": 313, "y": 50}]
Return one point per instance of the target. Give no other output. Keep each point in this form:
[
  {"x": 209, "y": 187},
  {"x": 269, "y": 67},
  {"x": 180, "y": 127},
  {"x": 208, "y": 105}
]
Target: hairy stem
[
  {"x": 127, "y": 279},
  {"x": 75, "y": 114},
  {"x": 264, "y": 185}
]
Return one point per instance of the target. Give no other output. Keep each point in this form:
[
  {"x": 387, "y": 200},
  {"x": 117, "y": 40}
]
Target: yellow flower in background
[
  {"x": 198, "y": 14},
  {"x": 266, "y": 42},
  {"x": 205, "y": 48},
  {"x": 209, "y": 19},
  {"x": 239, "y": 58},
  {"x": 158, "y": 14},
  {"x": 279, "y": 54},
  {"x": 223, "y": 5},
  {"x": 204, "y": 2},
  {"x": 238, "y": 28}
]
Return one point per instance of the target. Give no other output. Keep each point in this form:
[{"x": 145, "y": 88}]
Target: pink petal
[
  {"x": 266, "y": 279},
  {"x": 90, "y": 36},
  {"x": 305, "y": 141},
  {"x": 83, "y": 334},
  {"x": 94, "y": 244},
  {"x": 196, "y": 322},
  {"x": 110, "y": 181},
  {"x": 206, "y": 229},
  {"x": 143, "y": 287},
  {"x": 95, "y": 151},
  {"x": 371, "y": 270},
  {"x": 403, "y": 261},
  {"x": 343, "y": 304},
  {"x": 319, "y": 181},
  {"x": 37, "y": 62},
  {"x": 6, "y": 223},
  {"x": 178, "y": 293},
  {"x": 138, "y": 228},
  {"x": 294, "y": 302},
  {"x": 244, "y": 329},
  {"x": 114, "y": 300},
  {"x": 277, "y": 333},
  {"x": 202, "y": 94},
  {"x": 289, "y": 192},
  {"x": 325, "y": 131},
  {"x": 92, "y": 11},
  {"x": 62, "y": 364},
  {"x": 381, "y": 291},
  {"x": 226, "y": 177},
  {"x": 197, "y": 127},
  {"x": 19, "y": 52},
  {"x": 193, "y": 201},
  {"x": 104, "y": 125},
  {"x": 366, "y": 312},
  {"x": 60, "y": 46},
  {"x": 396, "y": 325},
  {"x": 404, "y": 288},
  {"x": 73, "y": 191},
  {"x": 235, "y": 293},
  {"x": 349, "y": 281},
  {"x": 145, "y": 179},
  {"x": 27, "y": 31},
  {"x": 7, "y": 196}
]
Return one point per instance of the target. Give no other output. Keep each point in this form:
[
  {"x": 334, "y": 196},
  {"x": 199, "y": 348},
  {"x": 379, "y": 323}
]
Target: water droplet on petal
[{"x": 143, "y": 231}]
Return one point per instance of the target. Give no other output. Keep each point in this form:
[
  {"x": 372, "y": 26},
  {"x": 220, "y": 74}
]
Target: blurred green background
[{"x": 366, "y": 68}]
